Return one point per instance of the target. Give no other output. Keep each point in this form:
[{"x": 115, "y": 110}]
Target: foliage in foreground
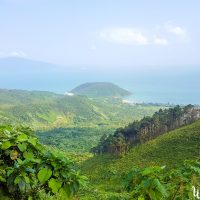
[
  {"x": 170, "y": 150},
  {"x": 28, "y": 171},
  {"x": 155, "y": 183}
]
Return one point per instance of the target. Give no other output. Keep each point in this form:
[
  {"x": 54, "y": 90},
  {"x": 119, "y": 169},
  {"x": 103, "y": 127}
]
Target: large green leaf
[
  {"x": 17, "y": 179},
  {"x": 22, "y": 146},
  {"x": 150, "y": 170},
  {"x": 10, "y": 171},
  {"x": 33, "y": 141},
  {"x": 2, "y": 179},
  {"x": 28, "y": 155},
  {"x": 6, "y": 145},
  {"x": 65, "y": 192},
  {"x": 44, "y": 174},
  {"x": 141, "y": 198},
  {"x": 54, "y": 185},
  {"x": 22, "y": 138},
  {"x": 160, "y": 187}
]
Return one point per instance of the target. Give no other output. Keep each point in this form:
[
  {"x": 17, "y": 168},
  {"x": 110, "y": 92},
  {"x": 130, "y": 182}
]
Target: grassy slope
[
  {"x": 49, "y": 110},
  {"x": 72, "y": 123},
  {"x": 21, "y": 97},
  {"x": 169, "y": 149}
]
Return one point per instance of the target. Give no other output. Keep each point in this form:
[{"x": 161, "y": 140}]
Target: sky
[{"x": 104, "y": 34}]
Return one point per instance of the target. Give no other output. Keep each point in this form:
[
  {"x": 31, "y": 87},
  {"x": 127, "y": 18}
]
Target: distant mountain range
[
  {"x": 100, "y": 89},
  {"x": 27, "y": 74}
]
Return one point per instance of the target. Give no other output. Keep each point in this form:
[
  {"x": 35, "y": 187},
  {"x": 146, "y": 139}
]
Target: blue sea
[
  {"x": 155, "y": 87},
  {"x": 175, "y": 86}
]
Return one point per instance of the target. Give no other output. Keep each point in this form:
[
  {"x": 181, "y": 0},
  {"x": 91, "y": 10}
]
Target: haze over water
[
  {"x": 151, "y": 85},
  {"x": 120, "y": 41}
]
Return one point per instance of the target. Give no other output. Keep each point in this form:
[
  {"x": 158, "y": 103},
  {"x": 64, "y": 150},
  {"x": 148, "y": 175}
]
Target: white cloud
[
  {"x": 124, "y": 36},
  {"x": 176, "y": 30},
  {"x": 160, "y": 41},
  {"x": 162, "y": 35},
  {"x": 20, "y": 54}
]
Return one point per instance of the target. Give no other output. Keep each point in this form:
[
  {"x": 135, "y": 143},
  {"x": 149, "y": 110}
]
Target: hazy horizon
[
  {"x": 157, "y": 86},
  {"x": 148, "y": 47}
]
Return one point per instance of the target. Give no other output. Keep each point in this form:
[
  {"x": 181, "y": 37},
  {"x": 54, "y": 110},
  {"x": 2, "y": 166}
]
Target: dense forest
[{"x": 146, "y": 129}]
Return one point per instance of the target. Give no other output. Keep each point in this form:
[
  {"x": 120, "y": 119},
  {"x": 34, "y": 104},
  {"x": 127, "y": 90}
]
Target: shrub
[
  {"x": 28, "y": 170},
  {"x": 155, "y": 183}
]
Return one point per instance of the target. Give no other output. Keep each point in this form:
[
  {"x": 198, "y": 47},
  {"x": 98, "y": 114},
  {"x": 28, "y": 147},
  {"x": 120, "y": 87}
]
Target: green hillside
[
  {"x": 83, "y": 133},
  {"x": 45, "y": 109},
  {"x": 68, "y": 122},
  {"x": 169, "y": 149},
  {"x": 16, "y": 97},
  {"x": 100, "y": 89}
]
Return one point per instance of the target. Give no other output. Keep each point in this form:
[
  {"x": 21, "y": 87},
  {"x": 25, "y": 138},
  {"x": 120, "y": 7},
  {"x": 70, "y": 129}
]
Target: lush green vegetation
[
  {"x": 100, "y": 89},
  {"x": 147, "y": 159},
  {"x": 42, "y": 110},
  {"x": 157, "y": 183},
  {"x": 29, "y": 171},
  {"x": 21, "y": 97},
  {"x": 74, "y": 140},
  {"x": 170, "y": 150},
  {"x": 75, "y": 120},
  {"x": 147, "y": 129}
]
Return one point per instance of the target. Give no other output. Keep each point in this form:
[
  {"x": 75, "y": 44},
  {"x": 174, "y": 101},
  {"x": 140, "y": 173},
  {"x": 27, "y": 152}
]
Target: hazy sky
[{"x": 102, "y": 33}]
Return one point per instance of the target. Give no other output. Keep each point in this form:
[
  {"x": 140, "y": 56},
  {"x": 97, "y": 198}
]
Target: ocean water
[
  {"x": 156, "y": 87},
  {"x": 175, "y": 86},
  {"x": 180, "y": 90}
]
